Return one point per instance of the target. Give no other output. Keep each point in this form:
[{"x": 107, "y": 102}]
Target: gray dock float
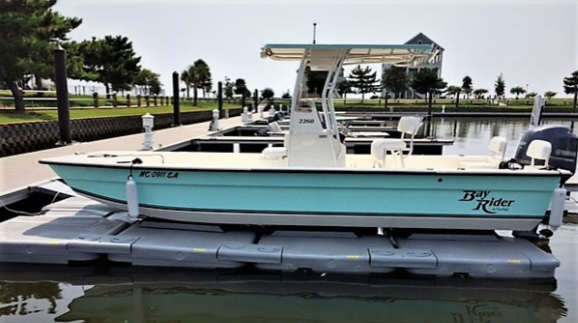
[{"x": 77, "y": 229}]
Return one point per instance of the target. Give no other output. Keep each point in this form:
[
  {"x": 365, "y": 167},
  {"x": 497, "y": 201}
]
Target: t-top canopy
[{"x": 400, "y": 55}]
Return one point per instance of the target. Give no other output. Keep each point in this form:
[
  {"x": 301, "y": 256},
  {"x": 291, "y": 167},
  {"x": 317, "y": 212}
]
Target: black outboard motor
[{"x": 564, "y": 147}]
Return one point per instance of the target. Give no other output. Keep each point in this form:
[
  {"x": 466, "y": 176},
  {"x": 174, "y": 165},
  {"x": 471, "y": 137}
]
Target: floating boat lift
[{"x": 77, "y": 229}]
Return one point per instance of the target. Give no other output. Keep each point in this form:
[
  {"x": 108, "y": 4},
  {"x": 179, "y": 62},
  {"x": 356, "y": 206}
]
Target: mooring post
[
  {"x": 176, "y": 100},
  {"x": 62, "y": 95},
  {"x": 256, "y": 100},
  {"x": 95, "y": 99},
  {"x": 220, "y": 98}
]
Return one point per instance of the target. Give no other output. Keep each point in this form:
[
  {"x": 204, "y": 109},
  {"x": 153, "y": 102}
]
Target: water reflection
[
  {"x": 15, "y": 297},
  {"x": 472, "y": 135},
  {"x": 161, "y": 295}
]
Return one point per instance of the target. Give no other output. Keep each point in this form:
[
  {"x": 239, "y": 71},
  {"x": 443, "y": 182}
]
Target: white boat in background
[{"x": 311, "y": 181}]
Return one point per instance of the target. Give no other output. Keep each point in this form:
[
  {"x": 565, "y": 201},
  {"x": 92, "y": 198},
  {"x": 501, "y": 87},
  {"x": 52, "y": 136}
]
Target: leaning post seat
[{"x": 396, "y": 147}]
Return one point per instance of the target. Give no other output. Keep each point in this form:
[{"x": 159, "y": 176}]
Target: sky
[{"x": 534, "y": 44}]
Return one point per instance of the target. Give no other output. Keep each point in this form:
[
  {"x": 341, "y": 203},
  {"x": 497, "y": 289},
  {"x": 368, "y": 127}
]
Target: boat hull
[{"x": 324, "y": 198}]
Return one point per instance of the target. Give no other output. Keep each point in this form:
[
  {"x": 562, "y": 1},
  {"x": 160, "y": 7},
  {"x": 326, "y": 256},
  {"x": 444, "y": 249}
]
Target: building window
[{"x": 419, "y": 42}]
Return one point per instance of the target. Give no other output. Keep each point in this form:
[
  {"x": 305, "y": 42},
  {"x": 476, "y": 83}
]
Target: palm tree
[
  {"x": 479, "y": 93},
  {"x": 571, "y": 87},
  {"x": 549, "y": 95},
  {"x": 197, "y": 76},
  {"x": 517, "y": 91},
  {"x": 186, "y": 78},
  {"x": 455, "y": 90},
  {"x": 531, "y": 95}
]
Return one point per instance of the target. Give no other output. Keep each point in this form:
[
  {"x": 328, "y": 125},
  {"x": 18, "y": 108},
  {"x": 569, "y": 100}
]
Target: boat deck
[
  {"x": 249, "y": 161},
  {"x": 77, "y": 229}
]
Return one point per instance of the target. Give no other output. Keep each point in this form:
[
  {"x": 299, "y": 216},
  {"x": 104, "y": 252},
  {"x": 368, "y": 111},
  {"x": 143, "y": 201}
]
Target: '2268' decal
[{"x": 485, "y": 203}]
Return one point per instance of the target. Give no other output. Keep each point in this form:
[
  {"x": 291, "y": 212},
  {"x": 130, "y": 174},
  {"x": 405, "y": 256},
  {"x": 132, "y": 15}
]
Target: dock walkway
[{"x": 20, "y": 171}]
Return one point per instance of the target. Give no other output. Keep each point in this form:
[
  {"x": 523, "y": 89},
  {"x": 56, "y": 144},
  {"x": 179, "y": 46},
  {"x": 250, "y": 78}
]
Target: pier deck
[{"x": 18, "y": 172}]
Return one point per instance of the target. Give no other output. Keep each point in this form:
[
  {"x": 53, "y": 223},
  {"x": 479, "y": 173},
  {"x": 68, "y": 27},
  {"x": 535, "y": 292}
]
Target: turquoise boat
[{"x": 311, "y": 181}]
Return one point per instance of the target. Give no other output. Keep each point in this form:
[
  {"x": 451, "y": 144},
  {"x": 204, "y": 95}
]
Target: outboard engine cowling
[{"x": 564, "y": 146}]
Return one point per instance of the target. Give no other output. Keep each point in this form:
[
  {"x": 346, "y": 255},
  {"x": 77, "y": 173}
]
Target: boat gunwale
[{"x": 343, "y": 171}]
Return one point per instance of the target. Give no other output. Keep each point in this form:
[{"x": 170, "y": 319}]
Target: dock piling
[
  {"x": 256, "y": 100},
  {"x": 176, "y": 100},
  {"x": 62, "y": 95},
  {"x": 220, "y": 98}
]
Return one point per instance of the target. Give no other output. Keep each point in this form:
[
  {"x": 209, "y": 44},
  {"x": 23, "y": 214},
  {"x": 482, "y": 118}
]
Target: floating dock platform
[{"x": 78, "y": 230}]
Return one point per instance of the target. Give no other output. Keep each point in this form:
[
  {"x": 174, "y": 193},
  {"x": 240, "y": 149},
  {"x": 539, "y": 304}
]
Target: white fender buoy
[
  {"x": 131, "y": 197},
  {"x": 557, "y": 207}
]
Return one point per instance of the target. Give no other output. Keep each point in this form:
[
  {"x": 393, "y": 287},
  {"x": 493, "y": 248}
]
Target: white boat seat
[
  {"x": 273, "y": 157},
  {"x": 497, "y": 151},
  {"x": 274, "y": 127},
  {"x": 396, "y": 147},
  {"x": 539, "y": 149},
  {"x": 497, "y": 147},
  {"x": 409, "y": 125},
  {"x": 381, "y": 147}
]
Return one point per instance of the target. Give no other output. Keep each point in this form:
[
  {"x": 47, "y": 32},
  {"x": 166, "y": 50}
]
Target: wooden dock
[{"x": 20, "y": 171}]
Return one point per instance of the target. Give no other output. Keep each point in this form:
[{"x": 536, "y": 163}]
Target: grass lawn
[
  {"x": 49, "y": 115},
  {"x": 80, "y": 101}
]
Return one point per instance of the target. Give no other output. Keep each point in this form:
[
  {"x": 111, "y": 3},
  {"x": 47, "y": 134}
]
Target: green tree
[
  {"x": 267, "y": 93},
  {"x": 228, "y": 89},
  {"x": 500, "y": 87},
  {"x": 364, "y": 81},
  {"x": 395, "y": 80},
  {"x": 286, "y": 95},
  {"x": 29, "y": 31},
  {"x": 517, "y": 91},
  {"x": 571, "y": 86},
  {"x": 455, "y": 91},
  {"x": 343, "y": 87},
  {"x": 479, "y": 93},
  {"x": 242, "y": 90},
  {"x": 427, "y": 82},
  {"x": 467, "y": 86},
  {"x": 549, "y": 95},
  {"x": 531, "y": 95},
  {"x": 155, "y": 87},
  {"x": 186, "y": 78},
  {"x": 148, "y": 80},
  {"x": 111, "y": 61},
  {"x": 315, "y": 81},
  {"x": 197, "y": 76},
  {"x": 207, "y": 88}
]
